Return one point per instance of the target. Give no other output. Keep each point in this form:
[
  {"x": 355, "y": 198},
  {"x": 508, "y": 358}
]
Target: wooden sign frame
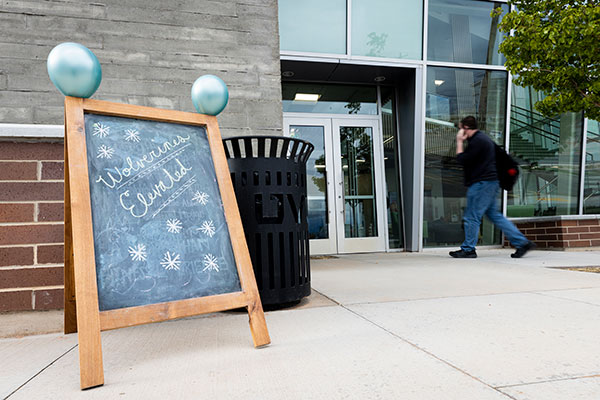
[{"x": 82, "y": 314}]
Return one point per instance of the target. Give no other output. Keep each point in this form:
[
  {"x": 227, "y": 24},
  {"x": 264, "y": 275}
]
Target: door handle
[{"x": 342, "y": 196}]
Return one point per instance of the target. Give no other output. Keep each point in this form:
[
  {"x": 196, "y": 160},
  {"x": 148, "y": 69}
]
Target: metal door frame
[{"x": 336, "y": 243}]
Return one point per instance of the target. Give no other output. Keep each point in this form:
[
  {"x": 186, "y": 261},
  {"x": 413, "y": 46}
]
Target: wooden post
[
  {"x": 70, "y": 315},
  {"x": 82, "y": 239},
  {"x": 258, "y": 324}
]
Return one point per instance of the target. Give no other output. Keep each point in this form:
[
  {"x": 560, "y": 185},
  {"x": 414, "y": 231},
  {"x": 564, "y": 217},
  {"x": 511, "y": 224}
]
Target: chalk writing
[
  {"x": 175, "y": 195},
  {"x": 142, "y": 202}
]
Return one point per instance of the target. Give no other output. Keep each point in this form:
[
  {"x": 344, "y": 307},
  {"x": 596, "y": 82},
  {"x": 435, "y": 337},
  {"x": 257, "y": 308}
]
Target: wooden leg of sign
[
  {"x": 88, "y": 323},
  {"x": 69, "y": 291},
  {"x": 82, "y": 238},
  {"x": 258, "y": 324}
]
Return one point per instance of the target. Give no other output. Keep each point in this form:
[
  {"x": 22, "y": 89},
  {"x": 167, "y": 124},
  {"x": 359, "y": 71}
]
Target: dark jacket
[{"x": 479, "y": 159}]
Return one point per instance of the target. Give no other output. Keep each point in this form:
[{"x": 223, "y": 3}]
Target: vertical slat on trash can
[
  {"x": 301, "y": 262},
  {"x": 256, "y": 256},
  {"x": 261, "y": 148},
  {"x": 282, "y": 254},
  {"x": 295, "y": 145},
  {"x": 273, "y": 147},
  {"x": 264, "y": 263},
  {"x": 236, "y": 149},
  {"x": 248, "y": 147},
  {"x": 268, "y": 174},
  {"x": 301, "y": 153},
  {"x": 292, "y": 259},
  {"x": 284, "y": 147}
]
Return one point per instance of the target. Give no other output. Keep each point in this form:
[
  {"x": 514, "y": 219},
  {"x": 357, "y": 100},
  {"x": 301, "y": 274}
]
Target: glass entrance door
[
  {"x": 358, "y": 184},
  {"x": 344, "y": 183},
  {"x": 322, "y": 230}
]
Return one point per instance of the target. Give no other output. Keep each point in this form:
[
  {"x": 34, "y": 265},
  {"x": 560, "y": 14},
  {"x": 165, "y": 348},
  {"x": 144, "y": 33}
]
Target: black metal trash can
[{"x": 269, "y": 179}]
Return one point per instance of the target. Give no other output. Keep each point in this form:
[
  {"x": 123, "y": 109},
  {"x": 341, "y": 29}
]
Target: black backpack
[{"x": 507, "y": 169}]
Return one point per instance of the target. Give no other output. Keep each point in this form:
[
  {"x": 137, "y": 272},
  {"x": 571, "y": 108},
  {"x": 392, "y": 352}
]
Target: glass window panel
[
  {"x": 316, "y": 180},
  {"x": 356, "y": 145},
  {"x": 392, "y": 174},
  {"x": 549, "y": 153},
  {"x": 387, "y": 28},
  {"x": 463, "y": 31},
  {"x": 591, "y": 191},
  {"x": 453, "y": 94},
  {"x": 313, "y": 26},
  {"x": 330, "y": 99}
]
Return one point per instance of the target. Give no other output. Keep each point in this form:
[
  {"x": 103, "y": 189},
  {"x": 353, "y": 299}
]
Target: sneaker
[
  {"x": 463, "y": 254},
  {"x": 522, "y": 250}
]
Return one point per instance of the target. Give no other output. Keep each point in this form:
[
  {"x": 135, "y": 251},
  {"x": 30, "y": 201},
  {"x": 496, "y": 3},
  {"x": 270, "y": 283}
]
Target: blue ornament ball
[
  {"x": 210, "y": 94},
  {"x": 74, "y": 70}
]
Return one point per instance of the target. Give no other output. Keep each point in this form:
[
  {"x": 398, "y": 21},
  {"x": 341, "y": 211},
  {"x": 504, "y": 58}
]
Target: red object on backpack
[{"x": 507, "y": 169}]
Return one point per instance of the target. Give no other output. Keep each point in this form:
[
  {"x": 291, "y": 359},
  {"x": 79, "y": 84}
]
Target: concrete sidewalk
[{"x": 378, "y": 326}]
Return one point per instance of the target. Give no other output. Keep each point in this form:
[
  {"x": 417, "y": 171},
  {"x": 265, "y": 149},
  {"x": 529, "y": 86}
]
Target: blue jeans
[{"x": 482, "y": 199}]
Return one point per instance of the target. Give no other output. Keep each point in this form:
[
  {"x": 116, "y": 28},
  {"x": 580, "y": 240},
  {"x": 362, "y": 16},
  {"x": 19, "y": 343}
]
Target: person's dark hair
[{"x": 469, "y": 122}]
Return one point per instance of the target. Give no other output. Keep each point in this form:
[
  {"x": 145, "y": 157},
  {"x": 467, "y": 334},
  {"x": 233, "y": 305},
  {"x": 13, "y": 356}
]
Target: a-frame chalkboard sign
[{"x": 152, "y": 228}]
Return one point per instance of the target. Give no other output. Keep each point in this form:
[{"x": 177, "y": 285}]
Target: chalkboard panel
[{"x": 159, "y": 225}]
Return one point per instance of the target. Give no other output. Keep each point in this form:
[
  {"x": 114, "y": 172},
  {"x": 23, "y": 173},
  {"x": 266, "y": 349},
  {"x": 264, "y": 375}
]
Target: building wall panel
[{"x": 151, "y": 53}]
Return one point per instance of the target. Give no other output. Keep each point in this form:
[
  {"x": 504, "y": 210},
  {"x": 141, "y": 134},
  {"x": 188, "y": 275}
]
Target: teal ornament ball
[
  {"x": 210, "y": 94},
  {"x": 74, "y": 70}
]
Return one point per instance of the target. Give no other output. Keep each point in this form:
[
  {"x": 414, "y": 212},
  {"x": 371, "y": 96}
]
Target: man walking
[{"x": 479, "y": 164}]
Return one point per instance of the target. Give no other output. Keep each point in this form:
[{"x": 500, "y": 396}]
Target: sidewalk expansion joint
[
  {"x": 572, "y": 378},
  {"x": 40, "y": 371},
  {"x": 469, "y": 295},
  {"x": 566, "y": 298},
  {"x": 428, "y": 353},
  {"x": 327, "y": 297}
]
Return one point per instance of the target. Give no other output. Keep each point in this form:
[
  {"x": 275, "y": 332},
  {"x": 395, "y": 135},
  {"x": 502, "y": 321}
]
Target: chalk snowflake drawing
[
  {"x": 131, "y": 135},
  {"x": 105, "y": 152},
  {"x": 170, "y": 261},
  {"x": 208, "y": 228},
  {"x": 101, "y": 130},
  {"x": 138, "y": 252},
  {"x": 210, "y": 263},
  {"x": 174, "y": 225},
  {"x": 201, "y": 198}
]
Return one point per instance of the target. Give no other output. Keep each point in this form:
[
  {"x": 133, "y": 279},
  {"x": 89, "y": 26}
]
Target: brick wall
[
  {"x": 31, "y": 226},
  {"x": 561, "y": 233}
]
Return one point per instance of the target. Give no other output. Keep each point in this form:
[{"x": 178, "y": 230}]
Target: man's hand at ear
[{"x": 461, "y": 136}]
